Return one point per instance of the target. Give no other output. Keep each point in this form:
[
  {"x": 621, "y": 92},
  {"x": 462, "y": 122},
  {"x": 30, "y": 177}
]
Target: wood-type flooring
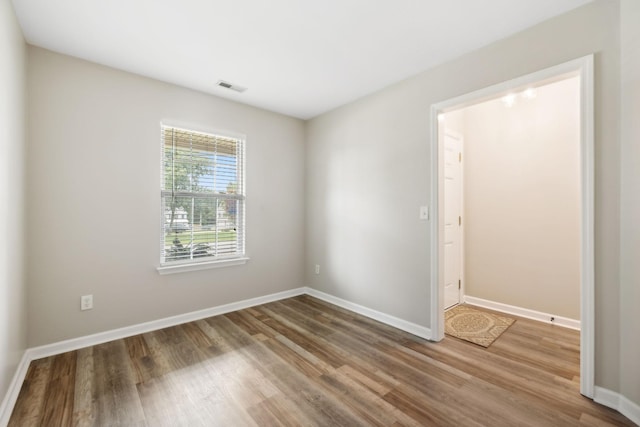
[{"x": 303, "y": 362}]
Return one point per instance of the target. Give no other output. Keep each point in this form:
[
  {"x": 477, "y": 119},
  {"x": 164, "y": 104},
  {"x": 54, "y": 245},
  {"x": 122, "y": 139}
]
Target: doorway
[{"x": 582, "y": 68}]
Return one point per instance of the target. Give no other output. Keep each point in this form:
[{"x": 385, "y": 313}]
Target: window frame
[{"x": 216, "y": 261}]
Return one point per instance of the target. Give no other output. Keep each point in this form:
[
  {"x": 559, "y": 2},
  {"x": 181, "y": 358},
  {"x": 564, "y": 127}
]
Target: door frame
[{"x": 582, "y": 67}]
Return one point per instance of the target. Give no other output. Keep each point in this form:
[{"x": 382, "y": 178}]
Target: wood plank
[
  {"x": 84, "y": 408},
  {"x": 279, "y": 411},
  {"x": 30, "y": 402},
  {"x": 58, "y": 403},
  {"x": 114, "y": 386},
  {"x": 305, "y": 362}
]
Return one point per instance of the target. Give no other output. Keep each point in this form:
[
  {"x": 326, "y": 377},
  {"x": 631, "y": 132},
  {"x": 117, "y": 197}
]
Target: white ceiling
[{"x": 297, "y": 57}]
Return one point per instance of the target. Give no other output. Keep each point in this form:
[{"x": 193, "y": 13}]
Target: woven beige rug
[{"x": 478, "y": 327}]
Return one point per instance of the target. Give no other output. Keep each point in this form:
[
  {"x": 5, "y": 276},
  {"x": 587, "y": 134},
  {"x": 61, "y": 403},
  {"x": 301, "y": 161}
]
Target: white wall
[
  {"x": 630, "y": 222},
  {"x": 13, "y": 327},
  {"x": 522, "y": 200},
  {"x": 94, "y": 199},
  {"x": 368, "y": 172}
]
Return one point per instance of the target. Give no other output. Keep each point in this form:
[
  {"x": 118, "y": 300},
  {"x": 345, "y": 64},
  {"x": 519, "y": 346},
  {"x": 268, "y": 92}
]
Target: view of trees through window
[{"x": 202, "y": 196}]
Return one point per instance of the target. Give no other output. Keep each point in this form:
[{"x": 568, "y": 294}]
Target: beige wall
[
  {"x": 630, "y": 222},
  {"x": 368, "y": 171},
  {"x": 94, "y": 198},
  {"x": 522, "y": 200},
  {"x": 367, "y": 174},
  {"x": 13, "y": 327}
]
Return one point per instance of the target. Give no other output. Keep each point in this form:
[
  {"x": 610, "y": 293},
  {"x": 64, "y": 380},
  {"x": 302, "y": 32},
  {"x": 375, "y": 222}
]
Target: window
[{"x": 202, "y": 197}]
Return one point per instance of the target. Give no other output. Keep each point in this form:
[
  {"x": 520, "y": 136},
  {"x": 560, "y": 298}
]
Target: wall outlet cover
[{"x": 86, "y": 302}]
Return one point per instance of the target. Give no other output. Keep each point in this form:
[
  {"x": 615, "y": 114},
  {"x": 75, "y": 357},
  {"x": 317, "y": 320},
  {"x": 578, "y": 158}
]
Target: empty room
[{"x": 319, "y": 213}]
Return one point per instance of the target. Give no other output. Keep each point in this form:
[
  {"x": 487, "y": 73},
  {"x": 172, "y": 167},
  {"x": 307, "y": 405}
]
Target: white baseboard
[
  {"x": 629, "y": 409},
  {"x": 9, "y": 401},
  {"x": 622, "y": 404},
  {"x": 404, "y": 325},
  {"x": 524, "y": 312},
  {"x": 618, "y": 402},
  {"x": 154, "y": 325},
  {"x": 76, "y": 343}
]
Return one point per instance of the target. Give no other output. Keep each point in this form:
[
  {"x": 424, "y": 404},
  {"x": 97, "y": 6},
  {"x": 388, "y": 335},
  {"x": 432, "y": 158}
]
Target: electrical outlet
[
  {"x": 424, "y": 213},
  {"x": 86, "y": 302},
  {"x": 317, "y": 268}
]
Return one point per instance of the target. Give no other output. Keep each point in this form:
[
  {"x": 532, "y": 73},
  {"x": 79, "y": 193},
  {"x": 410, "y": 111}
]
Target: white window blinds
[{"x": 202, "y": 197}]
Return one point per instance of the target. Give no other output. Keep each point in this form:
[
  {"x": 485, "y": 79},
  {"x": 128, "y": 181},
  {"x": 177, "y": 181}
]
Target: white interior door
[{"x": 452, "y": 218}]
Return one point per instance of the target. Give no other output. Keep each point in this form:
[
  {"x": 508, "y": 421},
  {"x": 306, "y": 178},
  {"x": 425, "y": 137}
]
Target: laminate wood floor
[{"x": 303, "y": 362}]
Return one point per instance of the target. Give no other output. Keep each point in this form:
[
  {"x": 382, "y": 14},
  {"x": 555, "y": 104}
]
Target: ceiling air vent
[{"x": 231, "y": 86}]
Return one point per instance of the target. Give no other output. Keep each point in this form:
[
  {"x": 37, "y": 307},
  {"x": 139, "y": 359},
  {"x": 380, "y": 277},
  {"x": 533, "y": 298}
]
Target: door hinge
[
  {"x": 459, "y": 220},
  {"x": 459, "y": 284},
  {"x": 460, "y": 157}
]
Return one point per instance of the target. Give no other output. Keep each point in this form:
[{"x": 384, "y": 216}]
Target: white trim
[
  {"x": 81, "y": 342},
  {"x": 629, "y": 409},
  {"x": 618, "y": 402},
  {"x": 540, "y": 316},
  {"x": 603, "y": 396},
  {"x": 582, "y": 67},
  {"x": 239, "y": 257},
  {"x": 437, "y": 212},
  {"x": 154, "y": 325},
  {"x": 198, "y": 127},
  {"x": 396, "y": 322},
  {"x": 606, "y": 397},
  {"x": 9, "y": 401},
  {"x": 587, "y": 227},
  {"x": 181, "y": 268}
]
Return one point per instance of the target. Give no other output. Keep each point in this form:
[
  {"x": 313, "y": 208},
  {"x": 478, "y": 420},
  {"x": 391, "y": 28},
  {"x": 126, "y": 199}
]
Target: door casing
[{"x": 582, "y": 67}]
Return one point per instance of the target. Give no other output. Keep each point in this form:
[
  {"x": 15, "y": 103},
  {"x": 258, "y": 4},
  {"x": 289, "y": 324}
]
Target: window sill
[{"x": 183, "y": 268}]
